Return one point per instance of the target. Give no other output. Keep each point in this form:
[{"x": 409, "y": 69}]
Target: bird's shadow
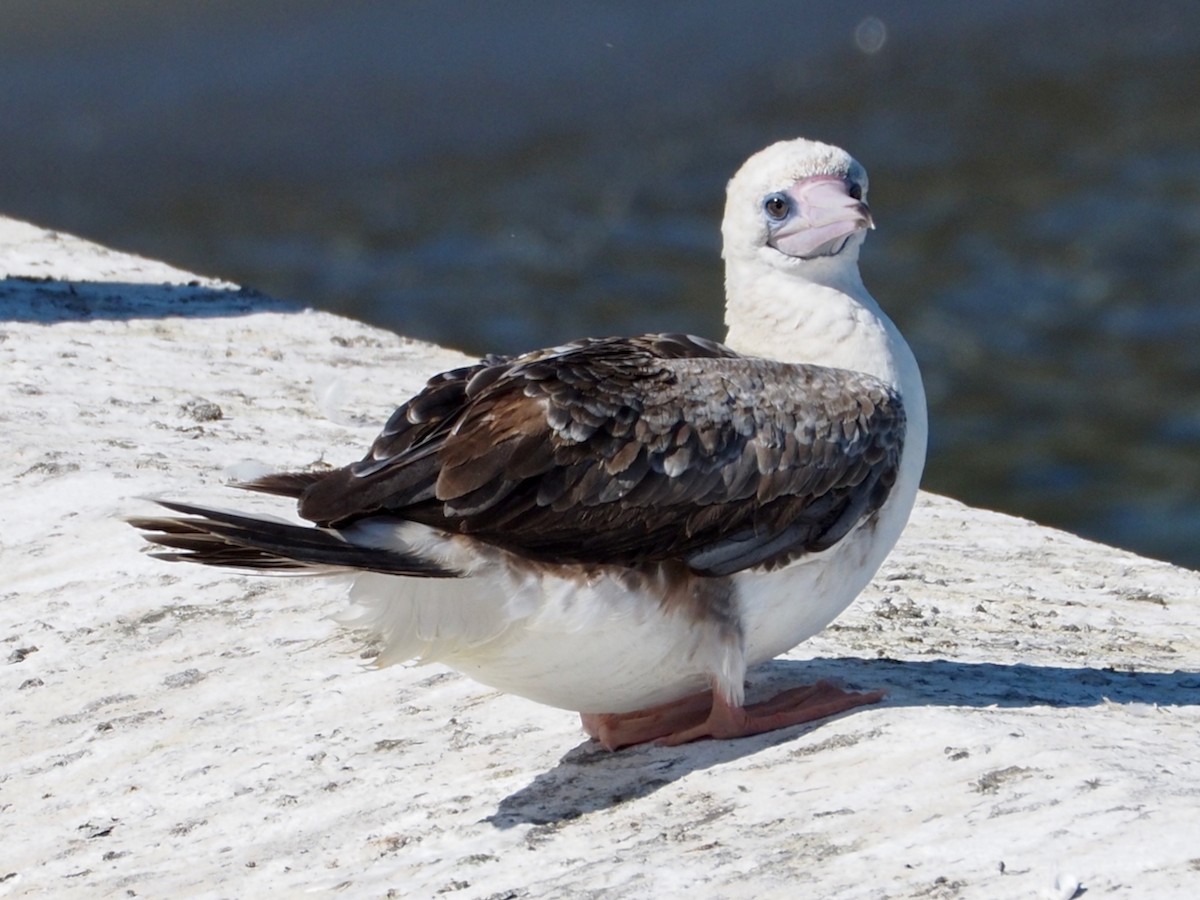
[{"x": 589, "y": 778}]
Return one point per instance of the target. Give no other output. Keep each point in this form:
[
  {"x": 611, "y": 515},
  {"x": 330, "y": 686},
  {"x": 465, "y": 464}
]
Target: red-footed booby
[{"x": 621, "y": 526}]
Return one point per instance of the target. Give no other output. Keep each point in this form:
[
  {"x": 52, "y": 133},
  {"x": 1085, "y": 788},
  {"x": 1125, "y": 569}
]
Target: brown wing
[{"x": 627, "y": 451}]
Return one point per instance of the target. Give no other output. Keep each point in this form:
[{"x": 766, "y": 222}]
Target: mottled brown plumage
[{"x": 626, "y": 451}]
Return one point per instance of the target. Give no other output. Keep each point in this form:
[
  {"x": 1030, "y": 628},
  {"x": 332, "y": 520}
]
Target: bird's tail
[{"x": 216, "y": 537}]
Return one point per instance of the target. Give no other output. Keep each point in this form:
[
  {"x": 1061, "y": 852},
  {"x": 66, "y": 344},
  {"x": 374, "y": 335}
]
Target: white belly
[{"x": 597, "y": 647}]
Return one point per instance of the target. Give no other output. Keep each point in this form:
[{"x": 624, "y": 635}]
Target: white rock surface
[{"x": 171, "y": 731}]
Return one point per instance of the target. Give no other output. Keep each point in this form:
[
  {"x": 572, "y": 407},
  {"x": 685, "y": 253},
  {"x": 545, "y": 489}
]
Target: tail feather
[
  {"x": 283, "y": 484},
  {"x": 235, "y": 540}
]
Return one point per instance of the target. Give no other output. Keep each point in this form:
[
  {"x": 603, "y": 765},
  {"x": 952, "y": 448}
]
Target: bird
[{"x": 622, "y": 526}]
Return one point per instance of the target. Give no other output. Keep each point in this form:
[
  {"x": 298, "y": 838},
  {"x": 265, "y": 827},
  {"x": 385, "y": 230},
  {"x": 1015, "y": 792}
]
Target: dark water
[{"x": 502, "y": 176}]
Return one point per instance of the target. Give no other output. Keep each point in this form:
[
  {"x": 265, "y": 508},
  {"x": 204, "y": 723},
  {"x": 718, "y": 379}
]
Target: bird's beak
[{"x": 823, "y": 219}]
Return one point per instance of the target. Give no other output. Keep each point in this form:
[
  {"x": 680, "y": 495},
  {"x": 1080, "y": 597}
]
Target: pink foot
[{"x": 706, "y": 715}]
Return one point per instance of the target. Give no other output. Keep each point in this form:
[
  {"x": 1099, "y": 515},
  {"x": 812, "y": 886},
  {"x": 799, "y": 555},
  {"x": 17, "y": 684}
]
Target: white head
[
  {"x": 795, "y": 218},
  {"x": 797, "y": 206}
]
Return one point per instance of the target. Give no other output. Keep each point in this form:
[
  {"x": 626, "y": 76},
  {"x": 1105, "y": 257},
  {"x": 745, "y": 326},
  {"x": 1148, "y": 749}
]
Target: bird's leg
[{"x": 709, "y": 714}]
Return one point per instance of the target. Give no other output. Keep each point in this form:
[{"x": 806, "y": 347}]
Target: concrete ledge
[{"x": 174, "y": 731}]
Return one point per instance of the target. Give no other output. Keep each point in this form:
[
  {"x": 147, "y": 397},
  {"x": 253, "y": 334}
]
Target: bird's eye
[
  {"x": 777, "y": 206},
  {"x": 855, "y": 190}
]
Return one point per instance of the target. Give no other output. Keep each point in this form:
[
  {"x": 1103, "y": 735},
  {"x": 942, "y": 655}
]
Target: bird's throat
[{"x": 780, "y": 316}]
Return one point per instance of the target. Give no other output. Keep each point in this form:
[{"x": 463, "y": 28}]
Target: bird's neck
[{"x": 826, "y": 317}]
